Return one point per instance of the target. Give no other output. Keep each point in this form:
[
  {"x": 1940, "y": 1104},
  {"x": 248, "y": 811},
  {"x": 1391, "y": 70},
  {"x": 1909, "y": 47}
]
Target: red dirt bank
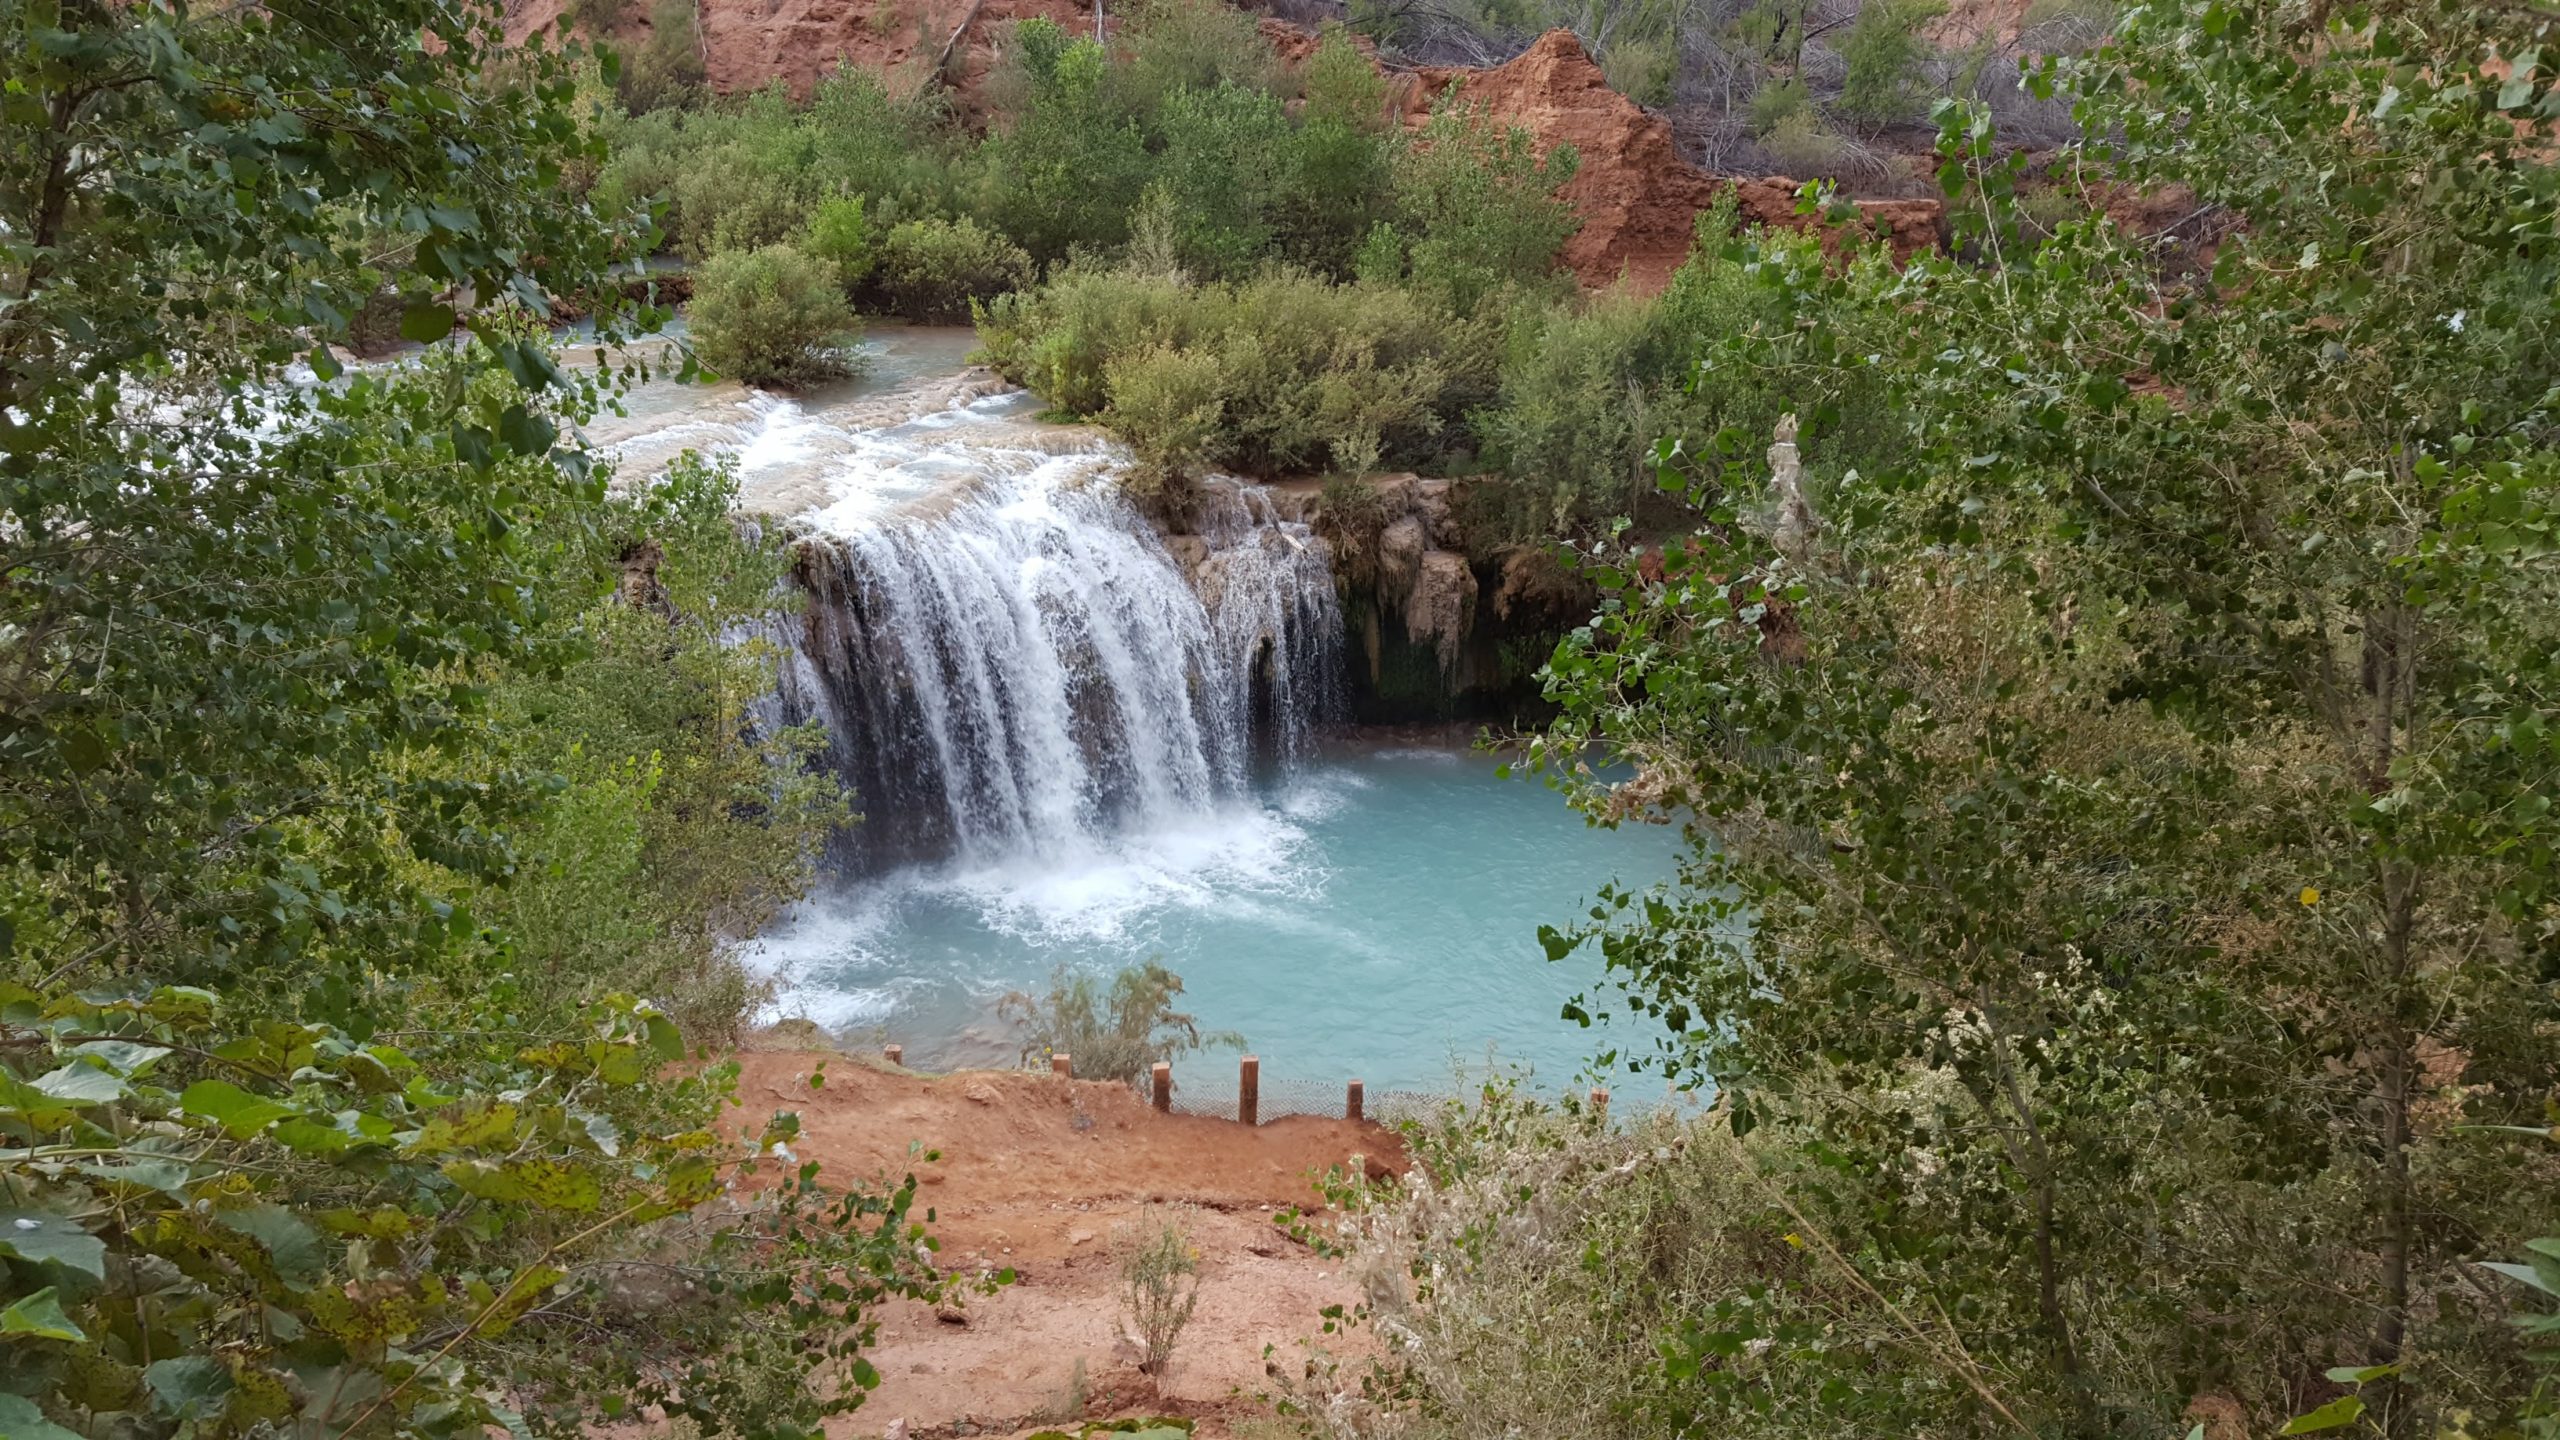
[{"x": 1037, "y": 1174}]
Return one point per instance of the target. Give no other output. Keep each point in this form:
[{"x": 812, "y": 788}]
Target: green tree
[{"x": 2122, "y": 833}]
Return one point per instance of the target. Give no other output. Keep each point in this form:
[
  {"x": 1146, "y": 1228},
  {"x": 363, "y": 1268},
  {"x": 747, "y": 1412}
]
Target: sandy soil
[{"x": 1045, "y": 1175}]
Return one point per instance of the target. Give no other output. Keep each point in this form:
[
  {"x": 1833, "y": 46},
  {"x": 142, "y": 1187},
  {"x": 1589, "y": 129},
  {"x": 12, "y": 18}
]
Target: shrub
[
  {"x": 1310, "y": 374},
  {"x": 1178, "y": 45},
  {"x": 667, "y": 72},
  {"x": 1803, "y": 145},
  {"x": 726, "y": 201},
  {"x": 1071, "y": 167},
  {"x": 840, "y": 238},
  {"x": 1165, "y": 402},
  {"x": 1480, "y": 205},
  {"x": 770, "y": 317},
  {"x": 1160, "y": 1287},
  {"x": 1113, "y": 1035},
  {"x": 1885, "y": 52},
  {"x": 1228, "y": 163},
  {"x": 930, "y": 270},
  {"x": 1777, "y": 102}
]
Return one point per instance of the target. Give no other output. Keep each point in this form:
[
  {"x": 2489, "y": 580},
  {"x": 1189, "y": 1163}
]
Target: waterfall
[{"x": 1017, "y": 665}]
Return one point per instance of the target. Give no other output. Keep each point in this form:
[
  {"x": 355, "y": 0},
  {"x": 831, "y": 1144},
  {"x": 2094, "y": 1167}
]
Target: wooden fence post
[
  {"x": 1351, "y": 1104},
  {"x": 897, "y": 1055},
  {"x": 1249, "y": 1090},
  {"x": 1062, "y": 1066},
  {"x": 1163, "y": 1076}
]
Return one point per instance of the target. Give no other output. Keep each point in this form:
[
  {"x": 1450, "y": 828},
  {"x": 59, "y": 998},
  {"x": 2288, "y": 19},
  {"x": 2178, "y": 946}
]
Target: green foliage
[
  {"x": 2121, "y": 846},
  {"x": 1777, "y": 103},
  {"x": 1478, "y": 204},
  {"x": 218, "y": 1229},
  {"x": 1114, "y": 1034},
  {"x": 1225, "y": 172},
  {"x": 1295, "y": 372},
  {"x": 302, "y": 686},
  {"x": 932, "y": 270},
  {"x": 234, "y": 609},
  {"x": 1171, "y": 46},
  {"x": 771, "y": 317},
  {"x": 667, "y": 72},
  {"x": 1884, "y": 52},
  {"x": 1070, "y": 167},
  {"x": 1160, "y": 1288},
  {"x": 1166, "y": 403},
  {"x": 757, "y": 170},
  {"x": 839, "y": 237}
]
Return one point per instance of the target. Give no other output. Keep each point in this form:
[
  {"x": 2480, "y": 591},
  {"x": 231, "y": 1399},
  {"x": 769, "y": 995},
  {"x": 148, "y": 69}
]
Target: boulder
[{"x": 1442, "y": 605}]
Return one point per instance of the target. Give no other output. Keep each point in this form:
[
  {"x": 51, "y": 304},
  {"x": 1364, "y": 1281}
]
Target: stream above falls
[{"x": 1073, "y": 748}]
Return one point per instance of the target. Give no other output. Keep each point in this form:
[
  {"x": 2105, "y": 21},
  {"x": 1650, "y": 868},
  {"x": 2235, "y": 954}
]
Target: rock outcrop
[
  {"x": 1637, "y": 197},
  {"x": 747, "y": 44}
]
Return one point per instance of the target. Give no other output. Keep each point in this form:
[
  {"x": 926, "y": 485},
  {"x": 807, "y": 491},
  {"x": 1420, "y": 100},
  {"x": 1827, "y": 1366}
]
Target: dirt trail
[{"x": 1041, "y": 1175}]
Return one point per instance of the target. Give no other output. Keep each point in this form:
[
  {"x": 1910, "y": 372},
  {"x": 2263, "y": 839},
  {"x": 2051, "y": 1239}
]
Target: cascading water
[
  {"x": 1079, "y": 742},
  {"x": 1017, "y": 666}
]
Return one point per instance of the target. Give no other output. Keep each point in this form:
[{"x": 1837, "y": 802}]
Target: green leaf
[
  {"x": 290, "y": 1243},
  {"x": 52, "y": 1239},
  {"x": 190, "y": 1387},
  {"x": 2525, "y": 1273},
  {"x": 545, "y": 1183},
  {"x": 234, "y": 1109},
  {"x": 81, "y": 1083},
  {"x": 40, "y": 1317},
  {"x": 2342, "y": 1411},
  {"x": 21, "y": 1420},
  {"x": 426, "y": 322},
  {"x": 128, "y": 1058}
]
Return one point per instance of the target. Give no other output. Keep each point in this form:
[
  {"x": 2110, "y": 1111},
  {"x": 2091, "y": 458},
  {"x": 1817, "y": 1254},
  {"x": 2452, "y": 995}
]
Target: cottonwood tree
[{"x": 2123, "y": 836}]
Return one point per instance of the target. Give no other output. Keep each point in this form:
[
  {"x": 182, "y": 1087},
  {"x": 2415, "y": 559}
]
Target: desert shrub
[
  {"x": 1069, "y": 169},
  {"x": 1884, "y": 52},
  {"x": 727, "y": 201},
  {"x": 1803, "y": 145},
  {"x": 1058, "y": 341},
  {"x": 1159, "y": 1287},
  {"x": 1310, "y": 374},
  {"x": 1540, "y": 1274},
  {"x": 771, "y": 316},
  {"x": 1642, "y": 70},
  {"x": 1165, "y": 402},
  {"x": 840, "y": 238},
  {"x": 1342, "y": 185},
  {"x": 1176, "y": 45},
  {"x": 666, "y": 72},
  {"x": 929, "y": 270},
  {"x": 1114, "y": 1034},
  {"x": 1478, "y": 206},
  {"x": 1777, "y": 102},
  {"x": 1227, "y": 166}
]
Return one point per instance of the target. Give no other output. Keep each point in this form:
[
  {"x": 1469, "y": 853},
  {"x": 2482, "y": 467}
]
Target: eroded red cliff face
[
  {"x": 1637, "y": 197},
  {"x": 749, "y": 43}
]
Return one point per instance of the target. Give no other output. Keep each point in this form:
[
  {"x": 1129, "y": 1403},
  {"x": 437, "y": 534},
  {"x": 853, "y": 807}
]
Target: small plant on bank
[
  {"x": 1113, "y": 1035},
  {"x": 771, "y": 317},
  {"x": 1160, "y": 1287},
  {"x": 929, "y": 270}
]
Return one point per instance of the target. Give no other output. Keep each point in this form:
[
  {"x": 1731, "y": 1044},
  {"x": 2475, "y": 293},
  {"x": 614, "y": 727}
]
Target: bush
[
  {"x": 1777, "y": 102},
  {"x": 930, "y": 270},
  {"x": 1165, "y": 402},
  {"x": 1884, "y": 52},
  {"x": 1114, "y": 1035},
  {"x": 1309, "y": 374},
  {"x": 1479, "y": 205},
  {"x": 840, "y": 238},
  {"x": 770, "y": 317},
  {"x": 1160, "y": 1287},
  {"x": 1228, "y": 163}
]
